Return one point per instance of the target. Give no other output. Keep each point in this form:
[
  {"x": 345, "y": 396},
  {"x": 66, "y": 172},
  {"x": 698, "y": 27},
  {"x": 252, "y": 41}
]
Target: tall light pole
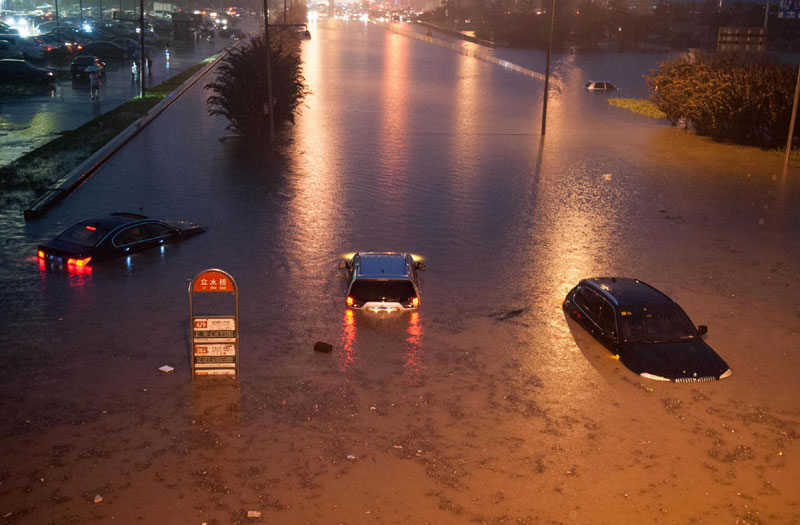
[
  {"x": 141, "y": 49},
  {"x": 547, "y": 66},
  {"x": 58, "y": 29}
]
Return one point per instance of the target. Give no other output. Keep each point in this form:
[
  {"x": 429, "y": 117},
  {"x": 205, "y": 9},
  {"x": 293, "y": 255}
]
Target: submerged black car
[
  {"x": 647, "y": 330},
  {"x": 99, "y": 238}
]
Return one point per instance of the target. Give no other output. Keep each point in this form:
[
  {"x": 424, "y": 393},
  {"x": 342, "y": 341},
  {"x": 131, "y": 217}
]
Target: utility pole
[
  {"x": 547, "y": 66},
  {"x": 270, "y": 106},
  {"x": 58, "y": 30},
  {"x": 141, "y": 49}
]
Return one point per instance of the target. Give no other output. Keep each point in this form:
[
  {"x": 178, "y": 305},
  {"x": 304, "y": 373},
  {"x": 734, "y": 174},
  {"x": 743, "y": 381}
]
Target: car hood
[{"x": 690, "y": 360}]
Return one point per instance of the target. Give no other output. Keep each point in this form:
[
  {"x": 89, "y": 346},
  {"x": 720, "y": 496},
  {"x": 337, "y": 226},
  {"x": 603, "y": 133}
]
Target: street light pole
[
  {"x": 141, "y": 49},
  {"x": 547, "y": 66},
  {"x": 58, "y": 29}
]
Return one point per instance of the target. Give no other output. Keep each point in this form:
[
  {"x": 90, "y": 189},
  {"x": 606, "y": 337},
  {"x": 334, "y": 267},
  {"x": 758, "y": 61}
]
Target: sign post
[{"x": 214, "y": 338}]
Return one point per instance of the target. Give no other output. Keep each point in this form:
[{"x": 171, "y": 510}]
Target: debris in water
[
  {"x": 351, "y": 457},
  {"x": 166, "y": 369},
  {"x": 98, "y": 498},
  {"x": 502, "y": 316},
  {"x": 253, "y": 513},
  {"x": 319, "y": 346}
]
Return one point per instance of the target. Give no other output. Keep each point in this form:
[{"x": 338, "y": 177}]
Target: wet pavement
[
  {"x": 29, "y": 121},
  {"x": 459, "y": 412}
]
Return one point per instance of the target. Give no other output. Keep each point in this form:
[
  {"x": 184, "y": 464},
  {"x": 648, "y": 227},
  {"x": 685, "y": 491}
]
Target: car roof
[
  {"x": 113, "y": 220},
  {"x": 624, "y": 291},
  {"x": 382, "y": 265}
]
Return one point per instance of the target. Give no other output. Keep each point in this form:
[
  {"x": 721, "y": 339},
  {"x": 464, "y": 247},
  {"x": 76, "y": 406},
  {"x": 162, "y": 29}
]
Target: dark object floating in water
[
  {"x": 502, "y": 316},
  {"x": 319, "y": 346}
]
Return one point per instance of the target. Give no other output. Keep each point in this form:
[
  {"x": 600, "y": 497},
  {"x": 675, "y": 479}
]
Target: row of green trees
[{"x": 746, "y": 100}]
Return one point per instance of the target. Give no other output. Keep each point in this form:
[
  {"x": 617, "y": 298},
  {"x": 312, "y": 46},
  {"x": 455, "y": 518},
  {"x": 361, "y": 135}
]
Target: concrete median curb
[{"x": 88, "y": 167}]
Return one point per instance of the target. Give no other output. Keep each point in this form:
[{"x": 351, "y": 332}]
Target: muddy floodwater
[{"x": 484, "y": 406}]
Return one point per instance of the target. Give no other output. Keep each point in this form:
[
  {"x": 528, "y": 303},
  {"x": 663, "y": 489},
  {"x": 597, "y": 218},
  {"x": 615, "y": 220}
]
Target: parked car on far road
[
  {"x": 106, "y": 50},
  {"x": 15, "y": 71},
  {"x": 78, "y": 67}
]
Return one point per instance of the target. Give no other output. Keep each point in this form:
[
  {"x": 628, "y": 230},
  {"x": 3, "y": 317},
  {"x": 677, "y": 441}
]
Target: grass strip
[
  {"x": 37, "y": 170},
  {"x": 638, "y": 106}
]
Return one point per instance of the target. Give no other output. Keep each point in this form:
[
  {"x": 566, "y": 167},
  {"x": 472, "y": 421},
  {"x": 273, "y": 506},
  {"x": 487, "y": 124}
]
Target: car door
[{"x": 139, "y": 236}]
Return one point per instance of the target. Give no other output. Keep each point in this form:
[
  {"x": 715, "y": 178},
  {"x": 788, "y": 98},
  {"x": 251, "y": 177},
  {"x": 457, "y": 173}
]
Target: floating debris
[
  {"x": 319, "y": 346},
  {"x": 166, "y": 369},
  {"x": 502, "y": 316},
  {"x": 98, "y": 498},
  {"x": 253, "y": 513}
]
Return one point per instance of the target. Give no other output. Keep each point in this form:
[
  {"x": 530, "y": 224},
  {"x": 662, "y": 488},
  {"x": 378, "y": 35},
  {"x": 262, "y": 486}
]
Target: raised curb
[
  {"x": 458, "y": 34},
  {"x": 476, "y": 54},
  {"x": 88, "y": 167}
]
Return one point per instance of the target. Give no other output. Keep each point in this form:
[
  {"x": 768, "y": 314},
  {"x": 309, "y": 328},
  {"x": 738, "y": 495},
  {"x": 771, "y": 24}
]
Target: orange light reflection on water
[
  {"x": 413, "y": 347},
  {"x": 348, "y": 354}
]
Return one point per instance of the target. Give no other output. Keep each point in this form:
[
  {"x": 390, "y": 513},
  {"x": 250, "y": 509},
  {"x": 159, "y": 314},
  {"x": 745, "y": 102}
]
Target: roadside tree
[{"x": 240, "y": 89}]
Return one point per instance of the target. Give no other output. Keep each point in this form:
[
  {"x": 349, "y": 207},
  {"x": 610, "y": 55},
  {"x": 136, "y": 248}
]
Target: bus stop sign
[{"x": 214, "y": 338}]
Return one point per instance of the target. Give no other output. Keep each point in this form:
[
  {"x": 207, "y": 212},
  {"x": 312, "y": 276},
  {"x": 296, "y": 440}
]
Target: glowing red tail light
[
  {"x": 80, "y": 263},
  {"x": 40, "y": 254},
  {"x": 91, "y": 228},
  {"x": 415, "y": 302},
  {"x": 349, "y": 301}
]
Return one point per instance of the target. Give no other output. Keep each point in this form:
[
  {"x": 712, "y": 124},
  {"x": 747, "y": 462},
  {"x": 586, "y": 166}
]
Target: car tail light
[
  {"x": 80, "y": 263},
  {"x": 414, "y": 302},
  {"x": 349, "y": 301},
  {"x": 40, "y": 253},
  {"x": 91, "y": 228}
]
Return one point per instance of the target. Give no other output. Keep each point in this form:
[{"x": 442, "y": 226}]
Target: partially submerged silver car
[{"x": 382, "y": 281}]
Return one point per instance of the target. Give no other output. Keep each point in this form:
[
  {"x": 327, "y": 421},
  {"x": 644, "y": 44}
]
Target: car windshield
[
  {"x": 655, "y": 325},
  {"x": 374, "y": 290},
  {"x": 83, "y": 234}
]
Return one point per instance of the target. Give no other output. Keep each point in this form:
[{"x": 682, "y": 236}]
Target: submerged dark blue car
[
  {"x": 107, "y": 236},
  {"x": 647, "y": 330}
]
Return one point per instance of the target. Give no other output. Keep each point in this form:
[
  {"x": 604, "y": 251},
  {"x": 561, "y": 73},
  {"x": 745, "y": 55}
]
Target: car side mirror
[
  {"x": 421, "y": 266},
  {"x": 344, "y": 265},
  {"x": 702, "y": 329}
]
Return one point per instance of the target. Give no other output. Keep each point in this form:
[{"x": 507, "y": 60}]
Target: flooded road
[{"x": 484, "y": 406}]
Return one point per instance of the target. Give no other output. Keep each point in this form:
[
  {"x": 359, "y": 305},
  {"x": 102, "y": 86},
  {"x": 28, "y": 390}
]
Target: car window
[
  {"x": 156, "y": 230},
  {"x": 607, "y": 321},
  {"x": 132, "y": 234},
  {"x": 656, "y": 324},
  {"x": 369, "y": 290},
  {"x": 590, "y": 302}
]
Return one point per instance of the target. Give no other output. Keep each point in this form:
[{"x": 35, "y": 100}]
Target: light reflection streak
[
  {"x": 348, "y": 341},
  {"x": 413, "y": 347},
  {"x": 394, "y": 117},
  {"x": 313, "y": 208}
]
